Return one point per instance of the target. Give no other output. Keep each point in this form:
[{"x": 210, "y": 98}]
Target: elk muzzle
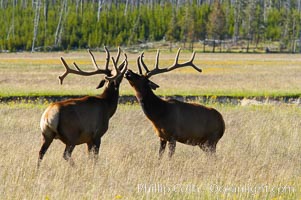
[{"x": 129, "y": 74}]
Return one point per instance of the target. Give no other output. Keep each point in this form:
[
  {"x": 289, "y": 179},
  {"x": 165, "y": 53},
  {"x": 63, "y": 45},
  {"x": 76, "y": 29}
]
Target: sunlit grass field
[
  {"x": 26, "y": 74},
  {"x": 258, "y": 158}
]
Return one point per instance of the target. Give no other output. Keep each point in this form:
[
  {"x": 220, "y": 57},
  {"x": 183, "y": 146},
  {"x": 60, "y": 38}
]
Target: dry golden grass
[
  {"x": 259, "y": 157},
  {"x": 223, "y": 74}
]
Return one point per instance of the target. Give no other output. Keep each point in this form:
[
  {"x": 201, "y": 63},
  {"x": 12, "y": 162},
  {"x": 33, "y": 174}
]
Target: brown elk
[
  {"x": 176, "y": 121},
  {"x": 86, "y": 119}
]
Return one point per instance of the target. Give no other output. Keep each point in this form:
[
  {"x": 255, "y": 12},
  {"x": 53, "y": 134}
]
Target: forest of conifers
[{"x": 33, "y": 25}]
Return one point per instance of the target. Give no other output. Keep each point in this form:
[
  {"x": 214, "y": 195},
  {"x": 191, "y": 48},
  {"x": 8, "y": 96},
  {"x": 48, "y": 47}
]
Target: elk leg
[
  {"x": 90, "y": 150},
  {"x": 67, "y": 154},
  {"x": 90, "y": 147},
  {"x": 208, "y": 147},
  {"x": 172, "y": 148},
  {"x": 46, "y": 143},
  {"x": 162, "y": 148},
  {"x": 94, "y": 148}
]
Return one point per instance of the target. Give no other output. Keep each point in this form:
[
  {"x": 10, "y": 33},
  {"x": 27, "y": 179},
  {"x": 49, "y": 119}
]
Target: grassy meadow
[
  {"x": 257, "y": 158},
  {"x": 23, "y": 74}
]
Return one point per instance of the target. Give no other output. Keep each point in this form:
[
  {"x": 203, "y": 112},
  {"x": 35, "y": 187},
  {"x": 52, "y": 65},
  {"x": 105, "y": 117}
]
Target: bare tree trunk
[
  {"x": 110, "y": 5},
  {"x": 59, "y": 29},
  {"x": 293, "y": 36},
  {"x": 13, "y": 23},
  {"x": 300, "y": 41},
  {"x": 36, "y": 23},
  {"x": 81, "y": 7},
  {"x": 66, "y": 6},
  {"x": 46, "y": 5},
  {"x": 126, "y": 7},
  {"x": 248, "y": 44},
  {"x": 24, "y": 3},
  {"x": 76, "y": 7},
  {"x": 236, "y": 20},
  {"x": 135, "y": 29},
  {"x": 100, "y": 2},
  {"x": 266, "y": 7},
  {"x": 12, "y": 26}
]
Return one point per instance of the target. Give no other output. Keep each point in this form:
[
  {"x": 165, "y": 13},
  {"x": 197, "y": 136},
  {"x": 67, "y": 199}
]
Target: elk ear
[
  {"x": 152, "y": 85},
  {"x": 101, "y": 84}
]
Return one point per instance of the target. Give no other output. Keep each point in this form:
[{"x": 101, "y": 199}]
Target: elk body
[
  {"x": 176, "y": 121},
  {"x": 83, "y": 120}
]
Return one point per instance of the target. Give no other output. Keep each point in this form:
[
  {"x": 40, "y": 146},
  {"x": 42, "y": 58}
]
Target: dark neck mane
[
  {"x": 152, "y": 105},
  {"x": 111, "y": 96}
]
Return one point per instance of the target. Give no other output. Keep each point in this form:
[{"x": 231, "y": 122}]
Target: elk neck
[
  {"x": 152, "y": 105},
  {"x": 111, "y": 95}
]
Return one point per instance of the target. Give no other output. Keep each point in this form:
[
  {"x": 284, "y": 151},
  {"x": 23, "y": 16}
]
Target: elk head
[{"x": 113, "y": 77}]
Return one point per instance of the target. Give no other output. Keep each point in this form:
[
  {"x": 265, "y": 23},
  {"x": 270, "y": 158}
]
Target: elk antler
[
  {"x": 123, "y": 65},
  {"x": 175, "y": 65},
  {"x": 83, "y": 73}
]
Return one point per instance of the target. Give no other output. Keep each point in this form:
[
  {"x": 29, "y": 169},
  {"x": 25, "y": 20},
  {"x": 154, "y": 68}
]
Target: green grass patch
[
  {"x": 163, "y": 92},
  {"x": 232, "y": 94}
]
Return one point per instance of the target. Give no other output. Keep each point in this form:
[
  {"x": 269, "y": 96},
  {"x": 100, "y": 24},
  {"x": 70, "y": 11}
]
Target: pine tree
[
  {"x": 172, "y": 34},
  {"x": 217, "y": 23}
]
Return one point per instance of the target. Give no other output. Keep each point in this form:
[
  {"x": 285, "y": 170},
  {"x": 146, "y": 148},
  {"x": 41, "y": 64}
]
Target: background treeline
[{"x": 71, "y": 24}]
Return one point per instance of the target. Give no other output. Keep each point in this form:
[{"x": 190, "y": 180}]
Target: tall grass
[{"x": 258, "y": 158}]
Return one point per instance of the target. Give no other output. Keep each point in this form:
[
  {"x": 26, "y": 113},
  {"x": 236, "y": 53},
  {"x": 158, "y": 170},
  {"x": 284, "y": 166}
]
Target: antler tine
[
  {"x": 93, "y": 59},
  {"x": 177, "y": 57},
  {"x": 75, "y": 65},
  {"x": 126, "y": 65},
  {"x": 118, "y": 55},
  {"x": 125, "y": 61},
  {"x": 157, "y": 59},
  {"x": 139, "y": 66},
  {"x": 142, "y": 63},
  {"x": 175, "y": 65},
  {"x": 114, "y": 64},
  {"x": 107, "y": 58},
  {"x": 78, "y": 71},
  {"x": 192, "y": 64},
  {"x": 188, "y": 63},
  {"x": 118, "y": 72},
  {"x": 67, "y": 71}
]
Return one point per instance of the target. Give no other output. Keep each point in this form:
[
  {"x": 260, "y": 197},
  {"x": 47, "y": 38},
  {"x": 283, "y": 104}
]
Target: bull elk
[
  {"x": 83, "y": 120},
  {"x": 176, "y": 121}
]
